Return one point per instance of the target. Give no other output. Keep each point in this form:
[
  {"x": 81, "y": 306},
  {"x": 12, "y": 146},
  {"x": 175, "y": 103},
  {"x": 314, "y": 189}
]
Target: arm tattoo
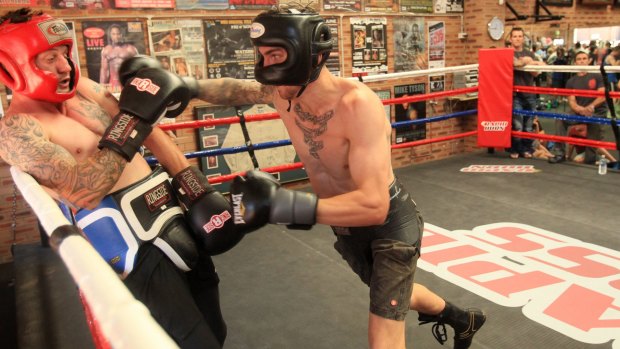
[
  {"x": 311, "y": 133},
  {"x": 23, "y": 145},
  {"x": 228, "y": 91}
]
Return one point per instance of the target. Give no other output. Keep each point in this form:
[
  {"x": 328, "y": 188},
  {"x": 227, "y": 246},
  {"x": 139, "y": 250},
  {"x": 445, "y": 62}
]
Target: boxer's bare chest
[
  {"x": 321, "y": 145},
  {"x": 80, "y": 127}
]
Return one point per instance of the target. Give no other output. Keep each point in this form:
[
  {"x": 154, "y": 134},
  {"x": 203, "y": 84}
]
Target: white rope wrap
[
  {"x": 569, "y": 68},
  {"x": 125, "y": 322}
]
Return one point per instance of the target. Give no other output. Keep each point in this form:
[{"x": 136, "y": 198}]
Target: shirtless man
[
  {"x": 339, "y": 130},
  {"x": 112, "y": 55},
  {"x": 69, "y": 134}
]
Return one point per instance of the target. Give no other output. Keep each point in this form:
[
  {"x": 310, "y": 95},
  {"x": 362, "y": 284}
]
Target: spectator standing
[{"x": 522, "y": 101}]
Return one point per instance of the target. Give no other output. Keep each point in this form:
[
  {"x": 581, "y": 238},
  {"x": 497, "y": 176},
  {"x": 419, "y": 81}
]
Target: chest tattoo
[{"x": 318, "y": 126}]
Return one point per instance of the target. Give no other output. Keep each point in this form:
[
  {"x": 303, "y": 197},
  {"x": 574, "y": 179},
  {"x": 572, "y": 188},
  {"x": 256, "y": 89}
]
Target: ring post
[{"x": 495, "y": 72}]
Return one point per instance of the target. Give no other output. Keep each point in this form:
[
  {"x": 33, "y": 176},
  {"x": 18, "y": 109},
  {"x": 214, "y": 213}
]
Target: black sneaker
[
  {"x": 557, "y": 159},
  {"x": 464, "y": 322},
  {"x": 464, "y": 336}
]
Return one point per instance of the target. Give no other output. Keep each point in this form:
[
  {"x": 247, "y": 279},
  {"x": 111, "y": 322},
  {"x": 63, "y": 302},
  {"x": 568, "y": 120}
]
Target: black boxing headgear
[
  {"x": 20, "y": 43},
  {"x": 305, "y": 37}
]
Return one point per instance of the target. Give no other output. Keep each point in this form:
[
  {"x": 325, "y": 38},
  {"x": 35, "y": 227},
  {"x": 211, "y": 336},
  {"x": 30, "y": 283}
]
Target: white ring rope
[
  {"x": 415, "y": 73},
  {"x": 569, "y": 68},
  {"x": 124, "y": 321}
]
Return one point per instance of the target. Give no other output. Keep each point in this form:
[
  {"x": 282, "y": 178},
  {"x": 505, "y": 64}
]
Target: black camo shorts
[{"x": 385, "y": 256}]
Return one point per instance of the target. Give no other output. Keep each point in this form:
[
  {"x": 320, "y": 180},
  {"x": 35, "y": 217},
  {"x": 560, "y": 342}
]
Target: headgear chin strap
[
  {"x": 21, "y": 43},
  {"x": 305, "y": 37}
]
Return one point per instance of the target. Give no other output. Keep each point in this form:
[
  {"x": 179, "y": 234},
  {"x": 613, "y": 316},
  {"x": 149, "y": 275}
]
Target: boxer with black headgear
[
  {"x": 340, "y": 133},
  {"x": 81, "y": 144},
  {"x": 307, "y": 40}
]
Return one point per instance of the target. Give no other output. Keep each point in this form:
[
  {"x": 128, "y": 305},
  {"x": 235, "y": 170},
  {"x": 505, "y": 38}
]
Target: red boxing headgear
[{"x": 21, "y": 43}]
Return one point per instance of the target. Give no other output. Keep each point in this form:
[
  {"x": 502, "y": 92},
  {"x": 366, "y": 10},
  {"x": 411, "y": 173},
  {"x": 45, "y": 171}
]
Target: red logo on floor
[
  {"x": 563, "y": 283},
  {"x": 500, "y": 168}
]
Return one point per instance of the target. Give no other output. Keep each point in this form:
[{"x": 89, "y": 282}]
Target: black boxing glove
[
  {"x": 130, "y": 67},
  {"x": 209, "y": 214},
  {"x": 258, "y": 199},
  {"x": 143, "y": 102}
]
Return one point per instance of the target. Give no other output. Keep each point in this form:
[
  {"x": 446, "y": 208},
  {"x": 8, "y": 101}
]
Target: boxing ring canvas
[{"x": 518, "y": 245}]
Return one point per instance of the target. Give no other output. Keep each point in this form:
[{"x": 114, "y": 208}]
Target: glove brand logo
[
  {"x": 494, "y": 126},
  {"x": 119, "y": 132},
  {"x": 145, "y": 85},
  {"x": 217, "y": 221},
  {"x": 191, "y": 184},
  {"x": 238, "y": 209},
  {"x": 156, "y": 197}
]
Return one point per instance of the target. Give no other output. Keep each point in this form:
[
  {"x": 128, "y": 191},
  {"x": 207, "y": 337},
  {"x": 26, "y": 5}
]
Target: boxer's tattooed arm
[
  {"x": 233, "y": 92},
  {"x": 83, "y": 184}
]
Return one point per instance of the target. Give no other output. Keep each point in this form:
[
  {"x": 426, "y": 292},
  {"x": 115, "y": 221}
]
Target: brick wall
[{"x": 458, "y": 52}]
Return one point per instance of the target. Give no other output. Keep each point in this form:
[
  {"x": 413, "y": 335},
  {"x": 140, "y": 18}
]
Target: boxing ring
[{"x": 533, "y": 244}]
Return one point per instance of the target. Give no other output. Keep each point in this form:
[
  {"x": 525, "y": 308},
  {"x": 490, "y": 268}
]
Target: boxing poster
[
  {"x": 410, "y": 111},
  {"x": 251, "y": 4},
  {"x": 178, "y": 46},
  {"x": 202, "y": 4},
  {"x": 229, "y": 50},
  {"x": 107, "y": 45},
  {"x": 83, "y": 4},
  {"x": 342, "y": 5},
  {"x": 416, "y": 6},
  {"x": 333, "y": 62},
  {"x": 448, "y": 6},
  {"x": 436, "y": 45},
  {"x": 369, "y": 48},
  {"x": 228, "y": 136},
  {"x": 380, "y": 6},
  {"x": 144, "y": 4},
  {"x": 409, "y": 44}
]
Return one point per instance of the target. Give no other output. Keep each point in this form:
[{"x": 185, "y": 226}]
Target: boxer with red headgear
[
  {"x": 339, "y": 130},
  {"x": 81, "y": 144}
]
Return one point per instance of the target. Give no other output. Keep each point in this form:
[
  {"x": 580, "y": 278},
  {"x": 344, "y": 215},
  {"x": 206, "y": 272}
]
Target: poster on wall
[
  {"x": 342, "y": 5},
  {"x": 436, "y": 83},
  {"x": 416, "y": 6},
  {"x": 231, "y": 135},
  {"x": 178, "y": 46},
  {"x": 333, "y": 62},
  {"x": 83, "y": 4},
  {"x": 369, "y": 49},
  {"x": 229, "y": 50},
  {"x": 251, "y": 4},
  {"x": 409, "y": 44},
  {"x": 380, "y": 6},
  {"x": 410, "y": 111},
  {"x": 107, "y": 45},
  {"x": 125, "y": 4},
  {"x": 436, "y": 44}
]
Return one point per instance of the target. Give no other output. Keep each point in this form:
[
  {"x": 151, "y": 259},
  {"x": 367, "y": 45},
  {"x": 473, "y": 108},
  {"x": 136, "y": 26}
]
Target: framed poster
[
  {"x": 410, "y": 111},
  {"x": 231, "y": 135}
]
